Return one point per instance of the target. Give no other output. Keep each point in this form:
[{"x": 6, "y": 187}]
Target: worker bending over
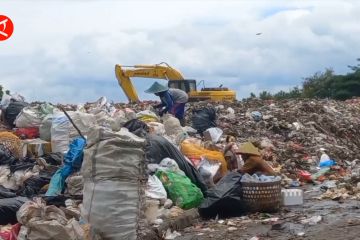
[
  {"x": 172, "y": 100},
  {"x": 251, "y": 158}
]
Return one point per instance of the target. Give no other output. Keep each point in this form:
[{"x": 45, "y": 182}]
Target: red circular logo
[{"x": 6, "y": 27}]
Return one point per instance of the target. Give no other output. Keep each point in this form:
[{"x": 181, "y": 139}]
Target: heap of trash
[
  {"x": 119, "y": 171},
  {"x": 290, "y": 133}
]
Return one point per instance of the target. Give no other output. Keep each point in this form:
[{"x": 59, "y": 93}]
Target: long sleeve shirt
[
  {"x": 178, "y": 95},
  {"x": 256, "y": 164},
  {"x": 171, "y": 97},
  {"x": 166, "y": 101}
]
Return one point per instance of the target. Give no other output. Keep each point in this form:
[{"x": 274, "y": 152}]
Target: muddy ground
[{"x": 339, "y": 220}]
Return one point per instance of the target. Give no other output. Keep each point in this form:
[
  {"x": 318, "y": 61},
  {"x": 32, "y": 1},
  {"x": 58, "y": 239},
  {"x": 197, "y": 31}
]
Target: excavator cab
[
  {"x": 190, "y": 87},
  {"x": 187, "y": 85}
]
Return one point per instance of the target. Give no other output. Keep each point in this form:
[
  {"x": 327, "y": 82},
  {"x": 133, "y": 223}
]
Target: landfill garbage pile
[
  {"x": 120, "y": 171},
  {"x": 291, "y": 132},
  {"x": 62, "y": 166}
]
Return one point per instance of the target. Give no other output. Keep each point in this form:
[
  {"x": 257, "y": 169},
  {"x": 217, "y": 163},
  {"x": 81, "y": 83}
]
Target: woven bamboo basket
[
  {"x": 262, "y": 196},
  {"x": 12, "y": 143}
]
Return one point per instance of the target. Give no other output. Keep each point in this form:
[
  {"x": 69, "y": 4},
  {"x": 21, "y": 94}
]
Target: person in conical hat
[
  {"x": 253, "y": 161},
  {"x": 157, "y": 88},
  {"x": 249, "y": 149},
  {"x": 172, "y": 100}
]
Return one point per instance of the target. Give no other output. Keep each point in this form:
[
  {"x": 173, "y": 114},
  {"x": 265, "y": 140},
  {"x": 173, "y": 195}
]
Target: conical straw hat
[
  {"x": 156, "y": 88},
  {"x": 249, "y": 148}
]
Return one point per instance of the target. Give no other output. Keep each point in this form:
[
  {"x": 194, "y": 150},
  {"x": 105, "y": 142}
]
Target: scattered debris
[
  {"x": 232, "y": 229},
  {"x": 312, "y": 221},
  {"x": 304, "y": 141},
  {"x": 171, "y": 235}
]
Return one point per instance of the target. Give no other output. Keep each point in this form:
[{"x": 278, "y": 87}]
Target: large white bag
[
  {"x": 112, "y": 167},
  {"x": 45, "y": 128},
  {"x": 172, "y": 125},
  {"x": 112, "y": 208},
  {"x": 213, "y": 134},
  {"x": 84, "y": 121},
  {"x": 157, "y": 128},
  {"x": 32, "y": 116},
  {"x": 155, "y": 188},
  {"x": 62, "y": 131},
  {"x": 112, "y": 155},
  {"x": 29, "y": 117},
  {"x": 47, "y": 222}
]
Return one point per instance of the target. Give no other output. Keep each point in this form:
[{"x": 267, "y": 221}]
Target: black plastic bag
[
  {"x": 48, "y": 172},
  {"x": 6, "y": 157},
  {"x": 203, "y": 119},
  {"x": 58, "y": 201},
  {"x": 159, "y": 148},
  {"x": 54, "y": 159},
  {"x": 137, "y": 127},
  {"x": 24, "y": 164},
  {"x": 8, "y": 209},
  {"x": 32, "y": 186},
  {"x": 13, "y": 110},
  {"x": 225, "y": 199},
  {"x": 6, "y": 193}
]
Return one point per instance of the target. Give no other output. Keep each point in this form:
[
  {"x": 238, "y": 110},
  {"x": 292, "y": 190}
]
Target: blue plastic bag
[
  {"x": 56, "y": 184},
  {"x": 75, "y": 154},
  {"x": 72, "y": 163},
  {"x": 327, "y": 163}
]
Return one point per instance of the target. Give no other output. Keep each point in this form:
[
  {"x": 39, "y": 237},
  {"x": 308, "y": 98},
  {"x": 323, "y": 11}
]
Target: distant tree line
[
  {"x": 1, "y": 92},
  {"x": 322, "y": 85}
]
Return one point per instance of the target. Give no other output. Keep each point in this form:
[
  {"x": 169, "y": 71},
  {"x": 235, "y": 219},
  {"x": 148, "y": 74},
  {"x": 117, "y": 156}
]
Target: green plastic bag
[
  {"x": 180, "y": 189},
  {"x": 46, "y": 109},
  {"x": 320, "y": 173}
]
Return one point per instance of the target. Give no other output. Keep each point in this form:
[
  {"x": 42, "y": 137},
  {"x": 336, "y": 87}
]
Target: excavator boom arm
[{"x": 124, "y": 73}]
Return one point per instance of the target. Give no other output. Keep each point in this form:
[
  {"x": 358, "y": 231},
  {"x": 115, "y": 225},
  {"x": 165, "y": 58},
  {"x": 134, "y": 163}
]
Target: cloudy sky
[{"x": 65, "y": 51}]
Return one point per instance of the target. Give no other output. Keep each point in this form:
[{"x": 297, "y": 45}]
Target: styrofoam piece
[
  {"x": 292, "y": 197},
  {"x": 213, "y": 134}
]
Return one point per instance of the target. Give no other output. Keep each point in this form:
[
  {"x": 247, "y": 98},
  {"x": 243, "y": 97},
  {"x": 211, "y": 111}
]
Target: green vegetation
[
  {"x": 323, "y": 85},
  {"x": 1, "y": 92}
]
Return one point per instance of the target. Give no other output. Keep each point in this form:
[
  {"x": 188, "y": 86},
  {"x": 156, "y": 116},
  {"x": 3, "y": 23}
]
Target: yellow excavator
[{"x": 175, "y": 80}]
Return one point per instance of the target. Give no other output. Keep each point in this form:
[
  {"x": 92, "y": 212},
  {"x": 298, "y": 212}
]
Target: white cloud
[{"x": 66, "y": 51}]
